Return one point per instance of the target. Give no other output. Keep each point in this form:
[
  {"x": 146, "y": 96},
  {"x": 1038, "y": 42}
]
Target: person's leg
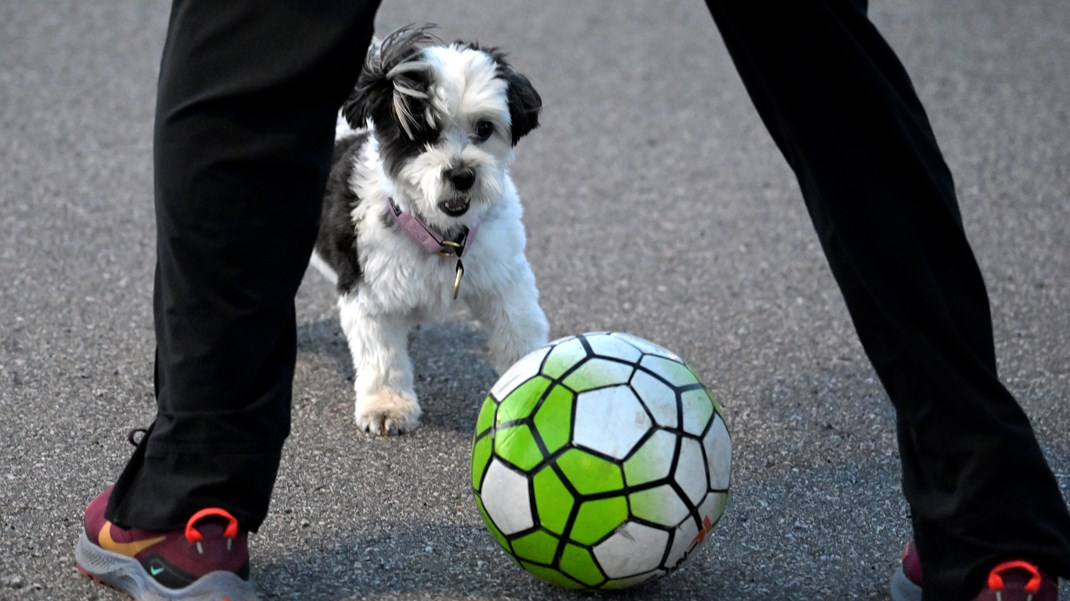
[
  {"x": 843, "y": 111},
  {"x": 247, "y": 99}
]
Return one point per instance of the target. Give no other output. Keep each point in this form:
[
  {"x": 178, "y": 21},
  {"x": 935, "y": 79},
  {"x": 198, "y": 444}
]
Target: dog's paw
[{"x": 388, "y": 412}]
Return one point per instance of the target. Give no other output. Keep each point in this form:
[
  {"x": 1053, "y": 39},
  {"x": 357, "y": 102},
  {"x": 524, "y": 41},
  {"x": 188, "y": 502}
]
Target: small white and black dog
[{"x": 421, "y": 212}]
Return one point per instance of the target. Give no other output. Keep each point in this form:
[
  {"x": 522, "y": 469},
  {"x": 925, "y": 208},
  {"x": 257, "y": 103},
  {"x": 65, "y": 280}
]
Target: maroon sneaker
[
  {"x": 1009, "y": 581},
  {"x": 208, "y": 561}
]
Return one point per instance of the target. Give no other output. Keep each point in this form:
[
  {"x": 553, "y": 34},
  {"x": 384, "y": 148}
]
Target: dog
[{"x": 421, "y": 214}]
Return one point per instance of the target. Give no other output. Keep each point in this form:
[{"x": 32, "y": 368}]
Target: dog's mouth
[{"x": 455, "y": 206}]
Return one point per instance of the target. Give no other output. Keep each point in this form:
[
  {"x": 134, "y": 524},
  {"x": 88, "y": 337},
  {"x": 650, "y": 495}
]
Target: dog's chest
[{"x": 400, "y": 276}]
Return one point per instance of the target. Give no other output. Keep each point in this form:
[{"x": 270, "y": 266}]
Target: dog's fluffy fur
[{"x": 431, "y": 126}]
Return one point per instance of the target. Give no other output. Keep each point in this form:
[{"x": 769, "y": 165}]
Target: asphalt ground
[{"x": 655, "y": 204}]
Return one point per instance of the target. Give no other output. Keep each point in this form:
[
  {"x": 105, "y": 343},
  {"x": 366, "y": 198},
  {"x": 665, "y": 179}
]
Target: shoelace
[
  {"x": 995, "y": 577},
  {"x": 194, "y": 537}
]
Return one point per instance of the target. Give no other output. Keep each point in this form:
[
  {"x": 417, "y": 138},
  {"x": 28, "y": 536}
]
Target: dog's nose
[{"x": 462, "y": 178}]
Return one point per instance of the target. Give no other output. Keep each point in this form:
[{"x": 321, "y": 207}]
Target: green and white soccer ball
[{"x": 600, "y": 461}]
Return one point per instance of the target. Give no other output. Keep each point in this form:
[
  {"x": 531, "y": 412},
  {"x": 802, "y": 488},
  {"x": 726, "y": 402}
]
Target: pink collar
[{"x": 429, "y": 239}]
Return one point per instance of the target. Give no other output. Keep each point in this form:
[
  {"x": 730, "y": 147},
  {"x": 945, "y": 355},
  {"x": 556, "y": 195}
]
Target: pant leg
[
  {"x": 247, "y": 98},
  {"x": 843, "y": 111}
]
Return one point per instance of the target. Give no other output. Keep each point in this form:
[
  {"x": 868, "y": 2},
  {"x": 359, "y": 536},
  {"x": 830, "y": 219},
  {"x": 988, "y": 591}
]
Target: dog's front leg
[
  {"x": 386, "y": 401},
  {"x": 510, "y": 313}
]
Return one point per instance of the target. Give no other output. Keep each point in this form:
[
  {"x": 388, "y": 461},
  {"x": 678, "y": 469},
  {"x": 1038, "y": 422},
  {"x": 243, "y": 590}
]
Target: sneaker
[
  {"x": 1009, "y": 581},
  {"x": 208, "y": 561}
]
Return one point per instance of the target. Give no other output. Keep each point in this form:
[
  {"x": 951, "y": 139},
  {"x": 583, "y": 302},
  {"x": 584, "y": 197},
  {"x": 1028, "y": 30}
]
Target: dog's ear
[
  {"x": 394, "y": 83},
  {"x": 355, "y": 109},
  {"x": 524, "y": 102}
]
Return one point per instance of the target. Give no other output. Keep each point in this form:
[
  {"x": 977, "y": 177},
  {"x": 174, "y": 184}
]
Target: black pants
[
  {"x": 247, "y": 97},
  {"x": 844, "y": 113}
]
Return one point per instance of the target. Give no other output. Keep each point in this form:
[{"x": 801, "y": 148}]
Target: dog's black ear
[
  {"x": 524, "y": 102},
  {"x": 356, "y": 108},
  {"x": 394, "y": 82}
]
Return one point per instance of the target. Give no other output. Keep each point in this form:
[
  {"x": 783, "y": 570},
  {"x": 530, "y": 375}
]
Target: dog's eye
[{"x": 484, "y": 130}]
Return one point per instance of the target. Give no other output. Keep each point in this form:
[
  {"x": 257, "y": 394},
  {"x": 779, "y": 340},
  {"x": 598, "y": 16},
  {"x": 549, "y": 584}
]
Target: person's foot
[
  {"x": 208, "y": 561},
  {"x": 1016, "y": 580}
]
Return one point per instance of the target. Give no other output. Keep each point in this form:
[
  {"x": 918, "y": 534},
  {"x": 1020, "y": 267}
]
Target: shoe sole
[
  {"x": 126, "y": 574},
  {"x": 903, "y": 588}
]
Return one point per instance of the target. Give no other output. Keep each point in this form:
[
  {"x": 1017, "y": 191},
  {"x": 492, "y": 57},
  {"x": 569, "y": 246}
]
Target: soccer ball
[{"x": 600, "y": 461}]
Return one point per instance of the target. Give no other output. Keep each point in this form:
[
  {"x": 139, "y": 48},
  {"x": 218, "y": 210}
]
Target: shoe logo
[
  {"x": 156, "y": 571},
  {"x": 129, "y": 549}
]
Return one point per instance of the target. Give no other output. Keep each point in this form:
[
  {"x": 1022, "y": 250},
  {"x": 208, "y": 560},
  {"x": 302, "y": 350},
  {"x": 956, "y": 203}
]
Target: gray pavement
[{"x": 656, "y": 204}]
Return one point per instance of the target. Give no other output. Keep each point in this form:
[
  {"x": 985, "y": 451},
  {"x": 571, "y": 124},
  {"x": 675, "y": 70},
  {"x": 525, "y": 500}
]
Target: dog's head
[{"x": 446, "y": 117}]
